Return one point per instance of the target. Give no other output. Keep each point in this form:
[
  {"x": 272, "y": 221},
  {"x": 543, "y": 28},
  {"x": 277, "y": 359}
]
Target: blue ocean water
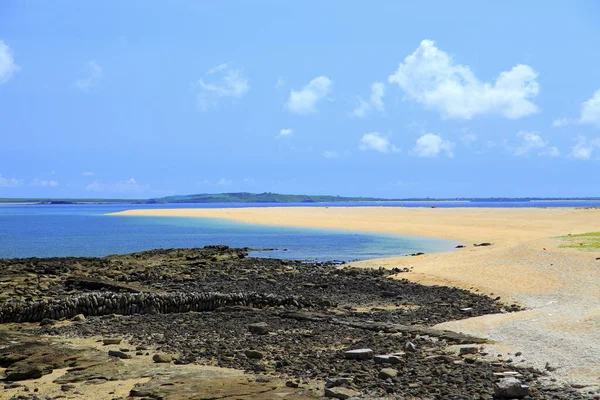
[{"x": 85, "y": 230}]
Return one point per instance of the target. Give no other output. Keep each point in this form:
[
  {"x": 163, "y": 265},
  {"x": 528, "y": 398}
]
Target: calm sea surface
[{"x": 85, "y": 230}]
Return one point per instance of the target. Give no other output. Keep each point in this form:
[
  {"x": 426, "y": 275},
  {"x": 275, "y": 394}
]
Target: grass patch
[{"x": 584, "y": 241}]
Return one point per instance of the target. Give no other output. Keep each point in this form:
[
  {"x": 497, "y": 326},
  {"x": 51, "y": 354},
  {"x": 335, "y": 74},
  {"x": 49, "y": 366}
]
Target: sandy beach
[{"x": 560, "y": 287}]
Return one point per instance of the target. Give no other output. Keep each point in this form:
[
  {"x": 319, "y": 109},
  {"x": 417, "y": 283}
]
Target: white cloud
[
  {"x": 285, "y": 132},
  {"x": 9, "y": 182},
  {"x": 220, "y": 82},
  {"x": 377, "y": 92},
  {"x": 91, "y": 78},
  {"x": 224, "y": 182},
  {"x": 430, "y": 145},
  {"x": 559, "y": 123},
  {"x": 430, "y": 77},
  {"x": 305, "y": 101},
  {"x": 7, "y": 63},
  {"x": 375, "y": 101},
  {"x": 375, "y": 141},
  {"x": 590, "y": 110},
  {"x": 330, "y": 154},
  {"x": 583, "y": 149},
  {"x": 128, "y": 186},
  {"x": 361, "y": 109},
  {"x": 530, "y": 142},
  {"x": 88, "y": 173},
  {"x": 43, "y": 183}
]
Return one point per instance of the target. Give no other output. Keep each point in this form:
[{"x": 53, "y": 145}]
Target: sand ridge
[{"x": 526, "y": 264}]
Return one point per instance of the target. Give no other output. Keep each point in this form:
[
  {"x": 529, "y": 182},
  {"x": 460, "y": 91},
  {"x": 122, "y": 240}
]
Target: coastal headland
[{"x": 530, "y": 261}]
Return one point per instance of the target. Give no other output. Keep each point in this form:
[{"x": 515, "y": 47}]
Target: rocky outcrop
[{"x": 104, "y": 303}]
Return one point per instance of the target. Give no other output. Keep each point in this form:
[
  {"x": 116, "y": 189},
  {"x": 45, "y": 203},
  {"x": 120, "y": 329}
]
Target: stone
[
  {"x": 22, "y": 371},
  {"x": 338, "y": 382},
  {"x": 388, "y": 373},
  {"x": 410, "y": 346},
  {"x": 387, "y": 359},
  {"x": 47, "y": 321},
  {"x": 161, "y": 358},
  {"x": 468, "y": 350},
  {"x": 510, "y": 388},
  {"x": 254, "y": 354},
  {"x": 109, "y": 341},
  {"x": 78, "y": 317},
  {"x": 119, "y": 354},
  {"x": 340, "y": 393},
  {"x": 67, "y": 387},
  {"x": 260, "y": 328},
  {"x": 359, "y": 354},
  {"x": 291, "y": 384}
]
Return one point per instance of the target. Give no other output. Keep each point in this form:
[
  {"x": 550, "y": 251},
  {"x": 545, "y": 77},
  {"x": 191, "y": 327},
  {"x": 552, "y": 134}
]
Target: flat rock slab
[
  {"x": 387, "y": 359},
  {"x": 359, "y": 354},
  {"x": 341, "y": 393}
]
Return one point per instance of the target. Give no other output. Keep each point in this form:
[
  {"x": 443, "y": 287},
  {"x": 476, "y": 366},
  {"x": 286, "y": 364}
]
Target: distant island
[{"x": 267, "y": 197}]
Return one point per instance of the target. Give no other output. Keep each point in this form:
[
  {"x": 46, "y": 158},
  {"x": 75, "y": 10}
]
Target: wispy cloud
[
  {"x": 43, "y": 183},
  {"x": 218, "y": 83},
  {"x": 224, "y": 182},
  {"x": 92, "y": 76},
  {"x": 583, "y": 148},
  {"x": 305, "y": 100},
  {"x": 8, "y": 67},
  {"x": 280, "y": 83},
  {"x": 376, "y": 141},
  {"x": 10, "y": 182},
  {"x": 331, "y": 154},
  {"x": 532, "y": 142},
  {"x": 430, "y": 77},
  {"x": 375, "y": 101},
  {"x": 88, "y": 173},
  {"x": 285, "y": 132},
  {"x": 559, "y": 123},
  {"x": 128, "y": 186}
]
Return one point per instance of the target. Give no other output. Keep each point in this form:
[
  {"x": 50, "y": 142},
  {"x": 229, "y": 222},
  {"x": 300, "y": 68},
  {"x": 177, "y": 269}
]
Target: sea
[{"x": 85, "y": 230}]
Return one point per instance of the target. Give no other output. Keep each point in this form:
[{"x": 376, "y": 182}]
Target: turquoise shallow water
[{"x": 85, "y": 230}]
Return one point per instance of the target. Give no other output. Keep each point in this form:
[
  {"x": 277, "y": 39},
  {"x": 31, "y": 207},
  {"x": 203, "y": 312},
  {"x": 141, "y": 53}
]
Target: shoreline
[{"x": 526, "y": 264}]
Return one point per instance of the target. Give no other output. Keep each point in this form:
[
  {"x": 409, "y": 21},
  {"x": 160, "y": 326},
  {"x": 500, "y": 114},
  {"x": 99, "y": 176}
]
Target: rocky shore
[{"x": 297, "y": 330}]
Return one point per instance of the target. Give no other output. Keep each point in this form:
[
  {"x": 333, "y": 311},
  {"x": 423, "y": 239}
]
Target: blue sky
[{"x": 143, "y": 99}]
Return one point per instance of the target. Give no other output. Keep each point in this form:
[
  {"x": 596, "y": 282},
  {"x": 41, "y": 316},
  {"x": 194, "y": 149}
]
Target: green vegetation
[
  {"x": 244, "y": 197},
  {"x": 584, "y": 241}
]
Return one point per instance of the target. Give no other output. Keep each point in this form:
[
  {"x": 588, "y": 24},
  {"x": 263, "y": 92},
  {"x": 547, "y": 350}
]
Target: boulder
[
  {"x": 109, "y": 341},
  {"x": 359, "y": 354},
  {"x": 254, "y": 354},
  {"x": 340, "y": 393},
  {"x": 161, "y": 358},
  {"x": 78, "y": 317},
  {"x": 119, "y": 354},
  {"x": 260, "y": 328},
  {"x": 510, "y": 388},
  {"x": 388, "y": 373},
  {"x": 468, "y": 350}
]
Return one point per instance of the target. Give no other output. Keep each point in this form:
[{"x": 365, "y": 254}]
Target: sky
[{"x": 143, "y": 99}]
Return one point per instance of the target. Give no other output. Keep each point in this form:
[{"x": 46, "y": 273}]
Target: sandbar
[{"x": 526, "y": 264}]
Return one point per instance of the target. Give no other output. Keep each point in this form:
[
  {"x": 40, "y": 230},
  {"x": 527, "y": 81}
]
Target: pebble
[{"x": 359, "y": 354}]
